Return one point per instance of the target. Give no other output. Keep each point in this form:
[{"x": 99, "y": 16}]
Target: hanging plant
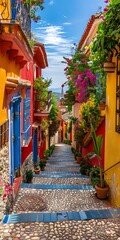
[{"x": 108, "y": 35}]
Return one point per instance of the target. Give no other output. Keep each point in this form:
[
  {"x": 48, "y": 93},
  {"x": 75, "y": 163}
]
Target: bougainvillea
[
  {"x": 85, "y": 80},
  {"x": 78, "y": 71}
]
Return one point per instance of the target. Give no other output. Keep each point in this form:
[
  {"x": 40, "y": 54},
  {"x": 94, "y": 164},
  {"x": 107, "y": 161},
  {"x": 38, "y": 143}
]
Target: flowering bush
[
  {"x": 69, "y": 97},
  {"x": 6, "y": 191},
  {"x": 85, "y": 80},
  {"x": 78, "y": 71},
  {"x": 89, "y": 112}
]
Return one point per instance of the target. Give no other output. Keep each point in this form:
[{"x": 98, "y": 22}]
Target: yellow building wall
[
  {"x": 112, "y": 142},
  {"x": 5, "y": 10},
  {"x": 7, "y": 68}
]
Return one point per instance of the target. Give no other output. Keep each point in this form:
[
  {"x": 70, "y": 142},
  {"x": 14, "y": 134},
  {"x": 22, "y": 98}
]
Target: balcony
[
  {"x": 42, "y": 109},
  {"x": 18, "y": 13}
]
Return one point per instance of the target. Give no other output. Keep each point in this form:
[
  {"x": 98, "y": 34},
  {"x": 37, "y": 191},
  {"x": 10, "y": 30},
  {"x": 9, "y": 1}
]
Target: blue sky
[{"x": 62, "y": 24}]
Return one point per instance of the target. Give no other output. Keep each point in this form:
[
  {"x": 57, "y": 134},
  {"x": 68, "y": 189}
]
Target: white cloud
[
  {"x": 57, "y": 46},
  {"x": 67, "y": 23}
]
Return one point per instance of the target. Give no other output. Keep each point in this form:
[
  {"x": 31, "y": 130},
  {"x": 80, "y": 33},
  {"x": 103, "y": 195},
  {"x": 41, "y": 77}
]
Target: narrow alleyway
[{"x": 60, "y": 204}]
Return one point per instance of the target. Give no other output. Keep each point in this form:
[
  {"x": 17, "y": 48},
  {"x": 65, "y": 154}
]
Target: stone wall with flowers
[{"x": 4, "y": 175}]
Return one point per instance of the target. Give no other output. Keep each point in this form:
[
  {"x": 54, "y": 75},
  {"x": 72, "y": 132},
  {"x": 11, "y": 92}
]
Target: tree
[{"x": 54, "y": 117}]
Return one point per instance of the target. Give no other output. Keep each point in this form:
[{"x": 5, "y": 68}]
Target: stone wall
[
  {"x": 4, "y": 174},
  {"x": 4, "y": 164}
]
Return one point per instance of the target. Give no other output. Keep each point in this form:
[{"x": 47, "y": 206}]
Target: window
[
  {"x": 26, "y": 118},
  {"x": 4, "y": 133}
]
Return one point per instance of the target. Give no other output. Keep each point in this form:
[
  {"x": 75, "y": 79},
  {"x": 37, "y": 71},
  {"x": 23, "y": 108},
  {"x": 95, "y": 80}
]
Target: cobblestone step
[
  {"x": 60, "y": 160},
  {"x": 60, "y": 175},
  {"x": 61, "y": 216},
  {"x": 62, "y": 166},
  {"x": 56, "y": 186}
]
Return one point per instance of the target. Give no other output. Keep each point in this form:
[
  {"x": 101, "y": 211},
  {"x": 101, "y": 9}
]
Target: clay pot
[
  {"x": 102, "y": 193},
  {"x": 36, "y": 171}
]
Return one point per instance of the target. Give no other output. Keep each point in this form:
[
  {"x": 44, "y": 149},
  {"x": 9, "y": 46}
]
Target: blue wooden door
[
  {"x": 15, "y": 142},
  {"x": 35, "y": 146}
]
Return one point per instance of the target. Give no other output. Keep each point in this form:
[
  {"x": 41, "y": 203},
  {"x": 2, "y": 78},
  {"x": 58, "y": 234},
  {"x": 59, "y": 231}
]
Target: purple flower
[
  {"x": 105, "y": 9},
  {"x": 103, "y": 19}
]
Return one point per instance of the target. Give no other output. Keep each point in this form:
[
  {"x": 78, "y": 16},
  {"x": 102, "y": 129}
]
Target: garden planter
[
  {"x": 109, "y": 67},
  {"x": 102, "y": 193},
  {"x": 36, "y": 171}
]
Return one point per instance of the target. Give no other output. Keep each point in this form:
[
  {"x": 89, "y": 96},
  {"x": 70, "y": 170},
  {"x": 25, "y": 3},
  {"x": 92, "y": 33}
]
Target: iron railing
[{"x": 18, "y": 12}]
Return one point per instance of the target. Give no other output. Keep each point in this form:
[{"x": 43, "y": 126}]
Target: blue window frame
[{"x": 26, "y": 118}]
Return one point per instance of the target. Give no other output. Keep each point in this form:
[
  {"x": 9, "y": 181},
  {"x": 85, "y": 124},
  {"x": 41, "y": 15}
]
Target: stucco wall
[
  {"x": 7, "y": 68},
  {"x": 112, "y": 143}
]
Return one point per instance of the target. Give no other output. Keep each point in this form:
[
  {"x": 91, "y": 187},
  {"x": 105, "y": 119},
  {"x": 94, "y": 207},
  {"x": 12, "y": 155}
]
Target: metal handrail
[{"x": 111, "y": 167}]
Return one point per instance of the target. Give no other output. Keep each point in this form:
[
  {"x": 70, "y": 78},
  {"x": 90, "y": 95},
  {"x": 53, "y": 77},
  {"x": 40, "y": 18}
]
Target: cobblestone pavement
[
  {"x": 65, "y": 230},
  {"x": 58, "y": 200},
  {"x": 61, "y": 200},
  {"x": 74, "y": 181}
]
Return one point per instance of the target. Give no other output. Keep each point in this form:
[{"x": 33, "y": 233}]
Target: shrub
[
  {"x": 29, "y": 175},
  {"x": 42, "y": 164},
  {"x": 67, "y": 141}
]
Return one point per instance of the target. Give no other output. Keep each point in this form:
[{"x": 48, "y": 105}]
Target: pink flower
[
  {"x": 103, "y": 19},
  {"x": 35, "y": 20},
  {"x": 4, "y": 196},
  {"x": 105, "y": 9},
  {"x": 65, "y": 68}
]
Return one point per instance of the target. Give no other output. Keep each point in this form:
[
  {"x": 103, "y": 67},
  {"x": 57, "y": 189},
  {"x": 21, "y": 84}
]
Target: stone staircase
[{"x": 61, "y": 194}]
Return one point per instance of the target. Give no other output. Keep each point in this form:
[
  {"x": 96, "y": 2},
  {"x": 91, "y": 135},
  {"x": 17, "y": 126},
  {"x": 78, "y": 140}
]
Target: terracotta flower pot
[
  {"x": 102, "y": 193},
  {"x": 36, "y": 171}
]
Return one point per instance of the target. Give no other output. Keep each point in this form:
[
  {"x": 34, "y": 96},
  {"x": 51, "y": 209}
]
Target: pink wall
[{"x": 89, "y": 148}]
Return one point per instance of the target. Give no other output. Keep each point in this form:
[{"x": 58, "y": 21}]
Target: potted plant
[
  {"x": 46, "y": 154},
  {"x": 36, "y": 168},
  {"x": 95, "y": 175},
  {"x": 107, "y": 36},
  {"x": 78, "y": 157},
  {"x": 42, "y": 164},
  {"x": 29, "y": 176},
  {"x": 85, "y": 165},
  {"x": 101, "y": 188}
]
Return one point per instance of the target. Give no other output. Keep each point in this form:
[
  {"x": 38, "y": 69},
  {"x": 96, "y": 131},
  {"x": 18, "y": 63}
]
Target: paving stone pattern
[{"x": 55, "y": 207}]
